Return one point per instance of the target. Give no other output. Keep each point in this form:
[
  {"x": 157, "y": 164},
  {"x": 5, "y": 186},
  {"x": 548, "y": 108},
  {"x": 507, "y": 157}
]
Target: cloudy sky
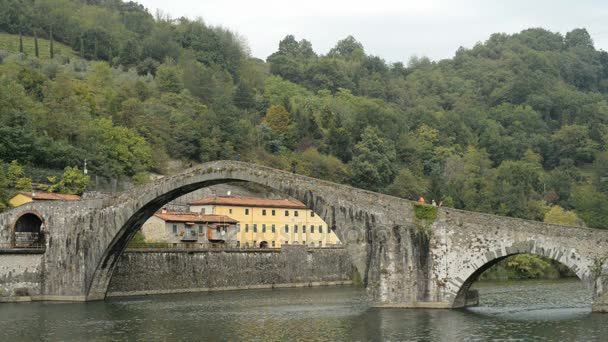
[{"x": 392, "y": 29}]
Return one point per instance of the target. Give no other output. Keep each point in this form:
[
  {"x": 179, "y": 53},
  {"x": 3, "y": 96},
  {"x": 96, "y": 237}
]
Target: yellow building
[
  {"x": 270, "y": 223},
  {"x": 22, "y": 198}
]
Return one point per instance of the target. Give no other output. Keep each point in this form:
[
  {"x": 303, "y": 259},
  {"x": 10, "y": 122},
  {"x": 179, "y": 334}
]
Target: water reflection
[{"x": 526, "y": 311}]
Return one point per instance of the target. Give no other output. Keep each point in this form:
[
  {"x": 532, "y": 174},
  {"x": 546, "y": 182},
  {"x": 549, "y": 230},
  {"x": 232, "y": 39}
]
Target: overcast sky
[{"x": 392, "y": 29}]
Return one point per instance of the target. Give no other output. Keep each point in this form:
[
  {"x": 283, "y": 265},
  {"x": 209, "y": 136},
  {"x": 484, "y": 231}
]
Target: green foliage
[
  {"x": 512, "y": 126},
  {"x": 407, "y": 185},
  {"x": 425, "y": 212},
  {"x": 527, "y": 266},
  {"x": 372, "y": 165},
  {"x": 138, "y": 239},
  {"x": 558, "y": 215},
  {"x": 72, "y": 182}
]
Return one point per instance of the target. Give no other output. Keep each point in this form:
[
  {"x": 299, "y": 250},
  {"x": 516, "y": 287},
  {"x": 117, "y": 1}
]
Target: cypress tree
[
  {"x": 110, "y": 55},
  {"x": 52, "y": 47},
  {"x": 20, "y": 42},
  {"x": 81, "y": 47},
  {"x": 36, "y": 52},
  {"x": 95, "y": 48}
]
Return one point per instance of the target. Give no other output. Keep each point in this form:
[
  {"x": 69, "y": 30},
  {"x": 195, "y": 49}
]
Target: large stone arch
[
  {"x": 353, "y": 213},
  {"x": 493, "y": 257}
]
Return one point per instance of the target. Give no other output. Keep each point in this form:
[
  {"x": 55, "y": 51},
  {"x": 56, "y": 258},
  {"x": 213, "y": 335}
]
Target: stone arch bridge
[{"x": 405, "y": 257}]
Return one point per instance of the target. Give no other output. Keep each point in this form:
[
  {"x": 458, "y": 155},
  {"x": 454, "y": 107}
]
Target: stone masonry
[
  {"x": 175, "y": 271},
  {"x": 404, "y": 261}
]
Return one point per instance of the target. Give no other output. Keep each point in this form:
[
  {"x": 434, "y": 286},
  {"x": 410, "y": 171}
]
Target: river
[{"x": 524, "y": 310}]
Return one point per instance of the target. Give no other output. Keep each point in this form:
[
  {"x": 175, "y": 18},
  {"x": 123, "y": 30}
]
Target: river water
[{"x": 525, "y": 310}]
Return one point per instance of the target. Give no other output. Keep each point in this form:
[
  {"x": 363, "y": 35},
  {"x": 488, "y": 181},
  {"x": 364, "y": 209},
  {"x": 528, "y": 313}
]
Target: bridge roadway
[{"x": 405, "y": 257}]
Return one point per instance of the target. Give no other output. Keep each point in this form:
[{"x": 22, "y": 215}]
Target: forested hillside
[{"x": 516, "y": 125}]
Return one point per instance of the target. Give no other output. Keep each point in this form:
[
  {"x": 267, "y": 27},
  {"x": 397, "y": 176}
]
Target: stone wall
[
  {"x": 152, "y": 272},
  {"x": 20, "y": 276}
]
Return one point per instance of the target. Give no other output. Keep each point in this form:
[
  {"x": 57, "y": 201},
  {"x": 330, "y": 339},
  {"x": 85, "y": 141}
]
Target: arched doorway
[
  {"x": 264, "y": 244},
  {"x": 28, "y": 231}
]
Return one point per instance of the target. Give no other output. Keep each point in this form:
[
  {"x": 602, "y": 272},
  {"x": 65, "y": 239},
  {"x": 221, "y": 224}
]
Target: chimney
[{"x": 163, "y": 210}]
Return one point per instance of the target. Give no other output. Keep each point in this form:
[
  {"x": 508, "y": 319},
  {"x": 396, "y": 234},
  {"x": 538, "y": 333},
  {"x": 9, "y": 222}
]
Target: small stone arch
[
  {"x": 28, "y": 230},
  {"x": 489, "y": 259},
  {"x": 264, "y": 244}
]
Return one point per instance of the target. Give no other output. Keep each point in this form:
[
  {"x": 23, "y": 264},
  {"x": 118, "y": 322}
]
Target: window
[
  {"x": 217, "y": 230},
  {"x": 312, "y": 244},
  {"x": 230, "y": 211},
  {"x": 174, "y": 229},
  {"x": 200, "y": 229},
  {"x": 255, "y": 228},
  {"x": 304, "y": 242},
  {"x": 272, "y": 243},
  {"x": 273, "y": 212},
  {"x": 286, "y": 212},
  {"x": 304, "y": 229},
  {"x": 246, "y": 211},
  {"x": 295, "y": 213},
  {"x": 238, "y": 228},
  {"x": 225, "y": 229},
  {"x": 320, "y": 244},
  {"x": 295, "y": 228},
  {"x": 320, "y": 229},
  {"x": 286, "y": 228},
  {"x": 263, "y": 212},
  {"x": 255, "y": 243},
  {"x": 312, "y": 214},
  {"x": 192, "y": 232},
  {"x": 238, "y": 243},
  {"x": 263, "y": 228},
  {"x": 246, "y": 228},
  {"x": 273, "y": 229},
  {"x": 203, "y": 211},
  {"x": 312, "y": 229},
  {"x": 286, "y": 243},
  {"x": 246, "y": 244}
]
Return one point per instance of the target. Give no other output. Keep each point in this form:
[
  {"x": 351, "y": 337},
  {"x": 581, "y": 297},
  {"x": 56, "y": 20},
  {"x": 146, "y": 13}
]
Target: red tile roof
[
  {"x": 49, "y": 196},
  {"x": 250, "y": 202},
  {"x": 175, "y": 216}
]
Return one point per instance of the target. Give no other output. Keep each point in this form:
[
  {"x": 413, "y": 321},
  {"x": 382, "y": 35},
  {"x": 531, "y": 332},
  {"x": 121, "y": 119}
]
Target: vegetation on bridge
[{"x": 516, "y": 125}]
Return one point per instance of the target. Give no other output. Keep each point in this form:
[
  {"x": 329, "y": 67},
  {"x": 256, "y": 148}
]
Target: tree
[
  {"x": 578, "y": 38},
  {"x": 278, "y": 119},
  {"x": 591, "y": 206},
  {"x": 372, "y": 164},
  {"x": 573, "y": 141},
  {"x": 73, "y": 182},
  {"x": 168, "y": 78},
  {"x": 407, "y": 185},
  {"x": 558, "y": 215}
]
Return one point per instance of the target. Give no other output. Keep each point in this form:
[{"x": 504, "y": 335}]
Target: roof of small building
[
  {"x": 177, "y": 216},
  {"x": 250, "y": 202},
  {"x": 49, "y": 196}
]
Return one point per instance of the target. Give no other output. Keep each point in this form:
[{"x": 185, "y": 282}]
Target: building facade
[
  {"x": 270, "y": 223},
  {"x": 188, "y": 227}
]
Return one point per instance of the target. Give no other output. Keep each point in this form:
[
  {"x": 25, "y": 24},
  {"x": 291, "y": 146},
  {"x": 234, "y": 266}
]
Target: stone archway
[
  {"x": 340, "y": 206},
  {"x": 496, "y": 256},
  {"x": 28, "y": 230}
]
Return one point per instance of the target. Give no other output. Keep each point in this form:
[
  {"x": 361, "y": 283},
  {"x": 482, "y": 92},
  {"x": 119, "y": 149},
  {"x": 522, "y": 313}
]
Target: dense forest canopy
[{"x": 516, "y": 125}]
